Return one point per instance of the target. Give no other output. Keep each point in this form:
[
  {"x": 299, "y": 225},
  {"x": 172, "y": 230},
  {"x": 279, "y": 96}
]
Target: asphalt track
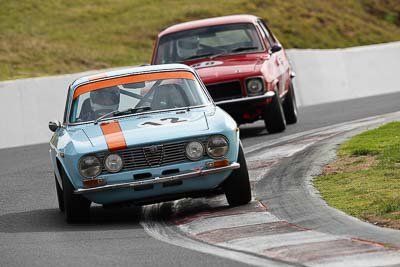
[{"x": 33, "y": 231}]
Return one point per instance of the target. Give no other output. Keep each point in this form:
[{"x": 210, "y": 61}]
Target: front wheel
[
  {"x": 77, "y": 208},
  {"x": 60, "y": 196},
  {"x": 274, "y": 117},
  {"x": 237, "y": 185},
  {"x": 290, "y": 106}
]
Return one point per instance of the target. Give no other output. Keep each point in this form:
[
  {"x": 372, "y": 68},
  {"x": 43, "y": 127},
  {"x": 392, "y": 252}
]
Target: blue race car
[{"x": 144, "y": 135}]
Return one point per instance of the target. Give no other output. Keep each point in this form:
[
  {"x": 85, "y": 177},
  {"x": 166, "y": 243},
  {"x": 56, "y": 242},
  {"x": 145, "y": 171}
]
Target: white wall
[
  {"x": 27, "y": 105},
  {"x": 338, "y": 74}
]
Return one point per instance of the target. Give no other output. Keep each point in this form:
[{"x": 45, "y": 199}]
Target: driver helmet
[
  {"x": 105, "y": 99},
  {"x": 188, "y": 46}
]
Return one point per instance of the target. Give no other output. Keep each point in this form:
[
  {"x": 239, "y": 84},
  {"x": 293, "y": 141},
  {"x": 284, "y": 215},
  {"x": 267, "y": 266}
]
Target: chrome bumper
[
  {"x": 267, "y": 95},
  {"x": 158, "y": 180}
]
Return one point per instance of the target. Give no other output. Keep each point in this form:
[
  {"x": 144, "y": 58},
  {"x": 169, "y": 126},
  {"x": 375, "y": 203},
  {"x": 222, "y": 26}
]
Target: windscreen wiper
[
  {"x": 243, "y": 48},
  {"x": 198, "y": 56},
  {"x": 122, "y": 112},
  {"x": 237, "y": 49},
  {"x": 219, "y": 54}
]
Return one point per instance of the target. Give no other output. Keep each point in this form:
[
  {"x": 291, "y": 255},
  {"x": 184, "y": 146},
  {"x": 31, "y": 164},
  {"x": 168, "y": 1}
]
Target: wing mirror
[
  {"x": 54, "y": 125},
  {"x": 275, "y": 48}
]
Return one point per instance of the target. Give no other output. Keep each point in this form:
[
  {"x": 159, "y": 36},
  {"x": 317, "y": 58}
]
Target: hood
[
  {"x": 152, "y": 128},
  {"x": 227, "y": 68}
]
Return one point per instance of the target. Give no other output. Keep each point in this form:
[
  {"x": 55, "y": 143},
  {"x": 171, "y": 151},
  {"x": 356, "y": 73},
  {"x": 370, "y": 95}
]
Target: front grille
[
  {"x": 225, "y": 91},
  {"x": 150, "y": 156}
]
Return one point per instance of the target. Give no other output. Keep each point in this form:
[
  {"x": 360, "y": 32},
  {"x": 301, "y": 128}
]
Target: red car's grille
[{"x": 225, "y": 91}]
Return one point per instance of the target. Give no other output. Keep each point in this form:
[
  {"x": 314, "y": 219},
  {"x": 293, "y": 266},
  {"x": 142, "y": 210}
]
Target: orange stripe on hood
[
  {"x": 133, "y": 79},
  {"x": 112, "y": 133}
]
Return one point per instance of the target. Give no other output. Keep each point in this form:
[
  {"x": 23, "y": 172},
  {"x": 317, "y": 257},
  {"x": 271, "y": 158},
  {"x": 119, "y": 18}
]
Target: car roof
[
  {"x": 209, "y": 22},
  {"x": 129, "y": 71}
]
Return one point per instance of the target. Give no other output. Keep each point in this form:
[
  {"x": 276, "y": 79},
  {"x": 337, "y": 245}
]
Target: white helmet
[
  {"x": 105, "y": 99},
  {"x": 188, "y": 46}
]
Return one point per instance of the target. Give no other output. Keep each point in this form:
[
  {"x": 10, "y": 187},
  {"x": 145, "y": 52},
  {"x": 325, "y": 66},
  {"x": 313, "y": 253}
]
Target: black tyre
[
  {"x": 76, "y": 207},
  {"x": 237, "y": 186},
  {"x": 274, "y": 117},
  {"x": 290, "y": 106},
  {"x": 60, "y": 196}
]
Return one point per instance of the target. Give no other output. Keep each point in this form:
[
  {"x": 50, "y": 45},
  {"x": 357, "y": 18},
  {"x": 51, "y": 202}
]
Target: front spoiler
[{"x": 158, "y": 180}]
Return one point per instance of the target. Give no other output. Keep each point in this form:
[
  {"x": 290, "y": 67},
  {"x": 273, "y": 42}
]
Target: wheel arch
[{"x": 59, "y": 170}]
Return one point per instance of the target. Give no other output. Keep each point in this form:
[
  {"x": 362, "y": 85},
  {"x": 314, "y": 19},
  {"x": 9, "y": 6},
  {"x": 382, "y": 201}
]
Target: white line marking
[{"x": 340, "y": 127}]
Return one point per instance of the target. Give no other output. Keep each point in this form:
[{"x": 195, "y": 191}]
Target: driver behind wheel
[
  {"x": 101, "y": 102},
  {"x": 188, "y": 46},
  {"x": 104, "y": 100}
]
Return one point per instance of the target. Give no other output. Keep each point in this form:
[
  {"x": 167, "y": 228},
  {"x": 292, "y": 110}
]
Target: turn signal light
[
  {"x": 218, "y": 163},
  {"x": 221, "y": 163},
  {"x": 94, "y": 182}
]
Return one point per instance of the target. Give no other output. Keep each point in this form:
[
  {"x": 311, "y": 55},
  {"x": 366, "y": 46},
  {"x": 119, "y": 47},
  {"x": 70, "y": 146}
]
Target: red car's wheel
[
  {"x": 274, "y": 116},
  {"x": 290, "y": 106}
]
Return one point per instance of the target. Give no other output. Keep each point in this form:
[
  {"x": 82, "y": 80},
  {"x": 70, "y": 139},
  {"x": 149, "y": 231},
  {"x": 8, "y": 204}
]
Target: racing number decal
[
  {"x": 161, "y": 122},
  {"x": 173, "y": 120},
  {"x": 150, "y": 123},
  {"x": 207, "y": 64}
]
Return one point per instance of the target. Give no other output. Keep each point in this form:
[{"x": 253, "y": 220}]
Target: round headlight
[
  {"x": 113, "y": 163},
  {"x": 255, "y": 86},
  {"x": 89, "y": 166},
  {"x": 217, "y": 146},
  {"x": 194, "y": 150}
]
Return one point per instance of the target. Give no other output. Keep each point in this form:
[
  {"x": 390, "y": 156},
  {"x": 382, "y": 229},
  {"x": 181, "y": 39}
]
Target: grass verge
[
  {"x": 364, "y": 180},
  {"x": 57, "y": 37}
]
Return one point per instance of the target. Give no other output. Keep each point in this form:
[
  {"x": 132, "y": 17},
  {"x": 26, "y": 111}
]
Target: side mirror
[
  {"x": 54, "y": 125},
  {"x": 275, "y": 48}
]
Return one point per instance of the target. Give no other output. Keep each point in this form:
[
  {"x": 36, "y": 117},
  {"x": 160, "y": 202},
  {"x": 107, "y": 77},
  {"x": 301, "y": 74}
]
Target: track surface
[{"x": 33, "y": 232}]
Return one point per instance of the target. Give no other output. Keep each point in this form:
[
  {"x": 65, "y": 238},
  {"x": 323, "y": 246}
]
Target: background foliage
[{"x": 57, "y": 37}]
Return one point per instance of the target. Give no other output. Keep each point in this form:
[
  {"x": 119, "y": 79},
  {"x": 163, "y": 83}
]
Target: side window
[{"x": 268, "y": 35}]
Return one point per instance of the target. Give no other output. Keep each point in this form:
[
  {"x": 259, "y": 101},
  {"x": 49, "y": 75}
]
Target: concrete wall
[
  {"x": 323, "y": 76},
  {"x": 27, "y": 106},
  {"x": 338, "y": 74}
]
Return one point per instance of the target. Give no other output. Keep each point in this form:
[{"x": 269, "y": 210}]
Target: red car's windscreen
[{"x": 208, "y": 42}]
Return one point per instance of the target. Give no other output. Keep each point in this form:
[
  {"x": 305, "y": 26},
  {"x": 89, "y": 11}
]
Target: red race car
[{"x": 242, "y": 64}]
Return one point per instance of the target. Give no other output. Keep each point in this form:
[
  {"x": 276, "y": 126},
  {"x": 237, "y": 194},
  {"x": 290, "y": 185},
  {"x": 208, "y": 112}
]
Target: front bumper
[
  {"x": 246, "y": 109},
  {"x": 245, "y": 100},
  {"x": 158, "y": 180}
]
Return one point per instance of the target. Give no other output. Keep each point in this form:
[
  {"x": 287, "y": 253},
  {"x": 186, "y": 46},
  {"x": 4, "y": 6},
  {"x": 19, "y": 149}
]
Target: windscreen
[
  {"x": 136, "y": 97},
  {"x": 207, "y": 42}
]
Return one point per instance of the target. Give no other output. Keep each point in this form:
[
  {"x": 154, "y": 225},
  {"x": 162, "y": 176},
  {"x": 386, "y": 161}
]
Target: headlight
[
  {"x": 113, "y": 163},
  {"x": 194, "y": 150},
  {"x": 217, "y": 146},
  {"x": 255, "y": 86},
  {"x": 89, "y": 166}
]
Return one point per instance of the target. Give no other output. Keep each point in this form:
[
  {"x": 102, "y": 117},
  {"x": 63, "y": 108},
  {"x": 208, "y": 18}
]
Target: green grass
[
  {"x": 55, "y": 36},
  {"x": 374, "y": 192}
]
